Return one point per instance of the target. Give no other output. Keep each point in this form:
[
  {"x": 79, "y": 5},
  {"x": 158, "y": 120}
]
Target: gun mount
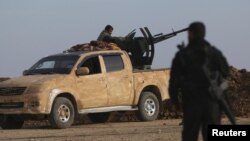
[{"x": 141, "y": 49}]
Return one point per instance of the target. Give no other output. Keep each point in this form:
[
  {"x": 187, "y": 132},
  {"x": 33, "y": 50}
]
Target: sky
[{"x": 32, "y": 29}]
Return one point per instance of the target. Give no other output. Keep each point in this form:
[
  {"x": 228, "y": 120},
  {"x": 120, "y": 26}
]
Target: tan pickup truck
[{"x": 96, "y": 83}]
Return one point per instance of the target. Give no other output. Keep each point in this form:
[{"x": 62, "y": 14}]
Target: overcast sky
[{"x": 32, "y": 29}]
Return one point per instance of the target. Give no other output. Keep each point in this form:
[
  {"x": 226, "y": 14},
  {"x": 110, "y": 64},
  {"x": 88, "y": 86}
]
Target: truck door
[
  {"x": 92, "y": 88},
  {"x": 119, "y": 78}
]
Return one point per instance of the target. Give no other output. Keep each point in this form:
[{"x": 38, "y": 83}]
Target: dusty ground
[{"x": 159, "y": 130}]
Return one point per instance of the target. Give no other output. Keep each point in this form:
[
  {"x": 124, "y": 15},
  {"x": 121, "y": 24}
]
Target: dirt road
[{"x": 160, "y": 130}]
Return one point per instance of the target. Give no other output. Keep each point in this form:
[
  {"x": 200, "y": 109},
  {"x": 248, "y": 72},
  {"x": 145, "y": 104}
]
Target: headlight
[{"x": 36, "y": 89}]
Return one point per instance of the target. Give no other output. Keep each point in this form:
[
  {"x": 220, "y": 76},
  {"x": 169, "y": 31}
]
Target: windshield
[{"x": 53, "y": 64}]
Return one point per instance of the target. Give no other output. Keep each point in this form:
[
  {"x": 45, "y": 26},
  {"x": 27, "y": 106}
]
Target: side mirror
[
  {"x": 82, "y": 71},
  {"x": 25, "y": 72}
]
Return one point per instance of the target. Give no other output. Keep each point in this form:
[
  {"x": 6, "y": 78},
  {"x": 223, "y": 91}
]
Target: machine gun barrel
[
  {"x": 167, "y": 36},
  {"x": 142, "y": 49}
]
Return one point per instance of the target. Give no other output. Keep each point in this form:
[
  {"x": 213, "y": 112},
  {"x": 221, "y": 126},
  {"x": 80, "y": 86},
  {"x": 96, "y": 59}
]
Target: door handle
[
  {"x": 125, "y": 76},
  {"x": 101, "y": 79}
]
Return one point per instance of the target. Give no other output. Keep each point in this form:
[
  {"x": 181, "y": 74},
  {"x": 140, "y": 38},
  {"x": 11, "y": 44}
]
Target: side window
[
  {"x": 66, "y": 64},
  {"x": 46, "y": 65},
  {"x": 93, "y": 64},
  {"x": 113, "y": 63}
]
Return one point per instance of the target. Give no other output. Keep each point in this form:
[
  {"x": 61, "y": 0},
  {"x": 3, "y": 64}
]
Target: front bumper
[{"x": 22, "y": 104}]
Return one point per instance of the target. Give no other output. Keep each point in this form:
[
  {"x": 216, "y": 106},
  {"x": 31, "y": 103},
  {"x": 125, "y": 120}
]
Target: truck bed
[{"x": 153, "y": 77}]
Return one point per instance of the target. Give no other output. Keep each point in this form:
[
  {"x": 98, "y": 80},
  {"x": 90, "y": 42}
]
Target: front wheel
[
  {"x": 148, "y": 107},
  {"x": 62, "y": 113}
]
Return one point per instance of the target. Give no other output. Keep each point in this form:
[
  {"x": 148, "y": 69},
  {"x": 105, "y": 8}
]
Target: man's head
[
  {"x": 109, "y": 29},
  {"x": 196, "y": 31}
]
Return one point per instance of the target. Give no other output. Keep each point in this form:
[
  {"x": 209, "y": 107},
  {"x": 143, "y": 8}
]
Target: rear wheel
[
  {"x": 148, "y": 107},
  {"x": 62, "y": 113},
  {"x": 99, "y": 117},
  {"x": 11, "y": 122}
]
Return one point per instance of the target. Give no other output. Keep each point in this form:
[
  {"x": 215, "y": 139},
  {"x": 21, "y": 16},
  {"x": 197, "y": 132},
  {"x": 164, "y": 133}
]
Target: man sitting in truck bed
[{"x": 105, "y": 36}]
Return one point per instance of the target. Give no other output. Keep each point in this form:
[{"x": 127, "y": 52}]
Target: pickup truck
[{"x": 60, "y": 86}]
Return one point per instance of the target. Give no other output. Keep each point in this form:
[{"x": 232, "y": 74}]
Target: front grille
[
  {"x": 10, "y": 105},
  {"x": 8, "y": 91}
]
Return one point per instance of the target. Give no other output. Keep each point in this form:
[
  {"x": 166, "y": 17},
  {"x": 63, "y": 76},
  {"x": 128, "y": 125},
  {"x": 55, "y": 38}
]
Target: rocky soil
[{"x": 238, "y": 94}]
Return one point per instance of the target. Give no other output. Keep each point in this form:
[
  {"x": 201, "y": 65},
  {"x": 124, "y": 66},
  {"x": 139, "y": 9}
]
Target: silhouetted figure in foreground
[{"x": 189, "y": 79}]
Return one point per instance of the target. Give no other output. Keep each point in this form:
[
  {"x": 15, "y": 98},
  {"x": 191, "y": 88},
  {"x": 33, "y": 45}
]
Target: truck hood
[{"x": 25, "y": 81}]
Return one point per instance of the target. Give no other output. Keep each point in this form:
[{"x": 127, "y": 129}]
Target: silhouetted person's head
[
  {"x": 196, "y": 31},
  {"x": 109, "y": 29}
]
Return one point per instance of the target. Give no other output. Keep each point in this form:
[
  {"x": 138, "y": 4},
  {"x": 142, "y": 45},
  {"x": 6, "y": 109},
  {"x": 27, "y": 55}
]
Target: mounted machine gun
[{"x": 141, "y": 49}]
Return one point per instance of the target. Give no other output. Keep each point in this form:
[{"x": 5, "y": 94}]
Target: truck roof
[{"x": 79, "y": 53}]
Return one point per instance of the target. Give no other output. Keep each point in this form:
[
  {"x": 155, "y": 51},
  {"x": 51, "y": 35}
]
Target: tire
[
  {"x": 12, "y": 122},
  {"x": 148, "y": 107},
  {"x": 99, "y": 117},
  {"x": 62, "y": 113}
]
